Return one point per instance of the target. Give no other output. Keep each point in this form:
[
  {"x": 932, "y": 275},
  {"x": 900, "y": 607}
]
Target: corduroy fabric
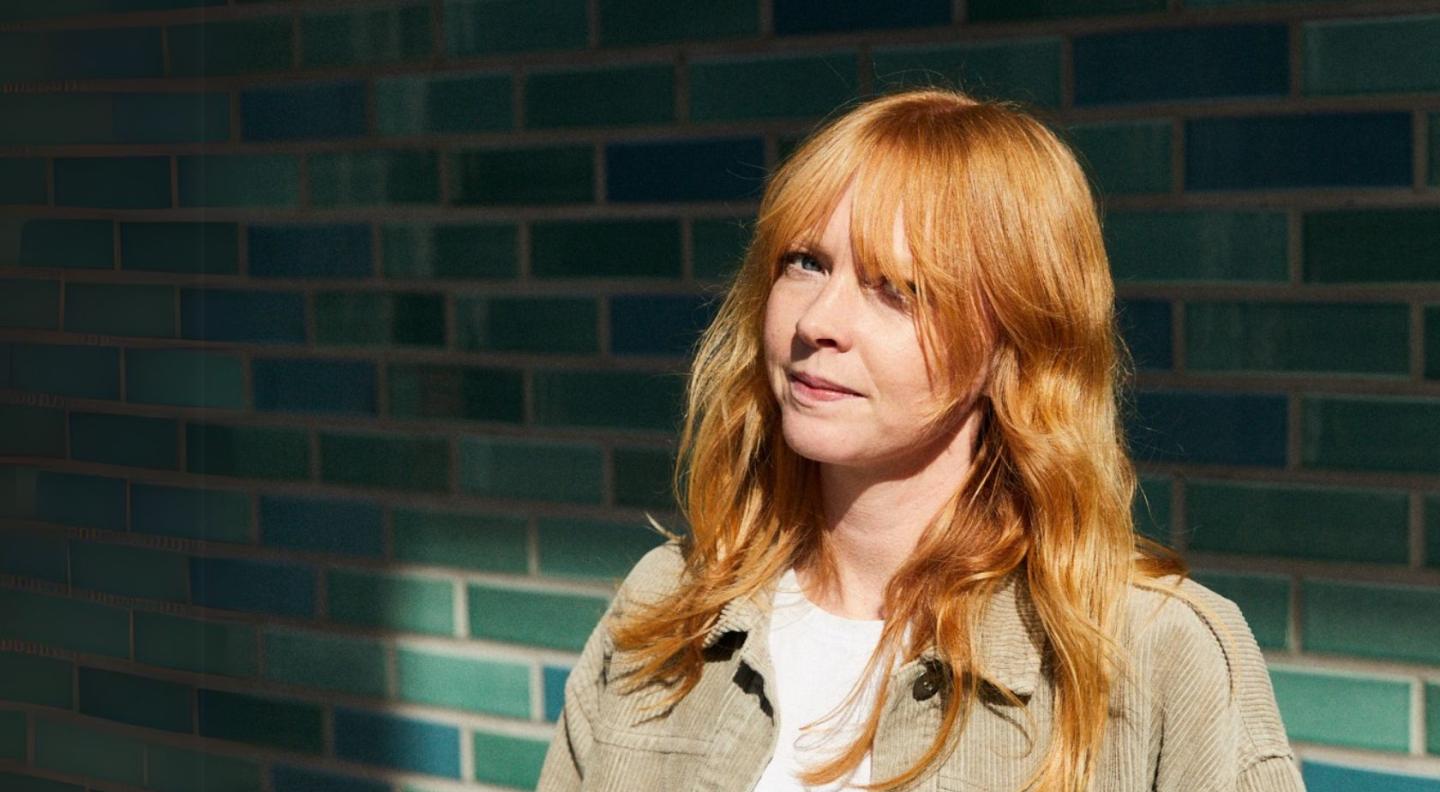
[{"x": 1194, "y": 712}]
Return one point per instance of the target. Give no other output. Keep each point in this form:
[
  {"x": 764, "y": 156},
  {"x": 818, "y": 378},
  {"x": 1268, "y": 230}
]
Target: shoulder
[{"x": 655, "y": 575}]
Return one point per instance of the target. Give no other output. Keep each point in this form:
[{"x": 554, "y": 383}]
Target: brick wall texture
[{"x": 341, "y": 346}]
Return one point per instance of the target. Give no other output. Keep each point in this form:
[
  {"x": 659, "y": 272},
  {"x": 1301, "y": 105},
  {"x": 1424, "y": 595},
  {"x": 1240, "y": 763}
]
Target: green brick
[
  {"x": 1434, "y": 119},
  {"x": 530, "y": 470},
  {"x": 45, "y": 242},
  {"x": 393, "y": 602},
  {"x": 487, "y": 27},
  {"x": 130, "y": 571},
  {"x": 1359, "y": 56},
  {"x": 718, "y": 246},
  {"x": 635, "y": 22},
  {"x": 731, "y": 88},
  {"x": 204, "y": 646},
  {"x": 238, "y": 47},
  {"x": 545, "y": 325},
  {"x": 77, "y": 750},
  {"x": 13, "y": 735},
  {"x": 32, "y": 431},
  {"x": 1344, "y": 709},
  {"x": 384, "y": 35},
  {"x": 173, "y": 769},
  {"x": 371, "y": 178},
  {"x": 489, "y": 543},
  {"x": 1432, "y": 341},
  {"x": 609, "y": 399},
  {"x": 113, "y": 182},
  {"x": 22, "y": 181},
  {"x": 370, "y": 318},
  {"x": 1370, "y": 338},
  {"x": 453, "y": 392},
  {"x": 1371, "y": 245},
  {"x": 136, "y": 700},
  {"x": 642, "y": 478},
  {"x": 86, "y": 372},
  {"x": 1027, "y": 70},
  {"x": 1150, "y": 509},
  {"x": 190, "y": 248},
  {"x": 247, "y": 451},
  {"x": 184, "y": 378},
  {"x": 420, "y": 105},
  {"x": 120, "y": 309},
  {"x": 36, "y": 680},
  {"x": 488, "y": 686},
  {"x": 1432, "y": 530},
  {"x": 1197, "y": 246},
  {"x": 507, "y": 761},
  {"x": 997, "y": 10},
  {"x": 27, "y": 783},
  {"x": 523, "y": 176},
  {"x": 133, "y": 440},
  {"x": 1395, "y": 434},
  {"x": 86, "y": 627},
  {"x": 325, "y": 662},
  {"x": 612, "y": 96},
  {"x": 1432, "y": 718},
  {"x": 606, "y": 249},
  {"x": 593, "y": 548},
  {"x": 446, "y": 252},
  {"x": 278, "y": 723},
  {"x": 30, "y": 304},
  {"x": 555, "y": 621},
  {"x": 1125, "y": 157},
  {"x": 1332, "y": 524},
  {"x": 385, "y": 461},
  {"x": 1361, "y": 619},
  {"x": 209, "y": 514},
  {"x": 239, "y": 180}
]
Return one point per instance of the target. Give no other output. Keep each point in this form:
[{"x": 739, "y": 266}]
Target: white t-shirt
[{"x": 818, "y": 657}]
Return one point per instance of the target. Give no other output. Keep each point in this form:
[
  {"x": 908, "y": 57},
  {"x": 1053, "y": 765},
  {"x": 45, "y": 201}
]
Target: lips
[{"x": 821, "y": 384}]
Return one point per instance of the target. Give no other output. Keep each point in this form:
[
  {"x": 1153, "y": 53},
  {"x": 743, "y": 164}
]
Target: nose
[{"x": 826, "y": 321}]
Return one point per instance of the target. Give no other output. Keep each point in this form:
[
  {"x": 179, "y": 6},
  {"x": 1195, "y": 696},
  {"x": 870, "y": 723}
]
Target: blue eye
[{"x": 791, "y": 258}]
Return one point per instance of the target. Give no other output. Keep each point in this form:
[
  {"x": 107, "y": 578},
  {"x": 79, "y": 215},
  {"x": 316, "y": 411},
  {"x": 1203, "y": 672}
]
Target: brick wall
[{"x": 341, "y": 342}]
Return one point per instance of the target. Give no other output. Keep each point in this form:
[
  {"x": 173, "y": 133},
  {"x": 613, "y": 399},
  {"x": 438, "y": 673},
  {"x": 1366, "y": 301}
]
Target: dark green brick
[
  {"x": 1197, "y": 246},
  {"x": 113, "y": 182},
  {"x": 86, "y": 372},
  {"x": 171, "y": 769},
  {"x": 325, "y": 662},
  {"x": 605, "y": 249},
  {"x": 1027, "y": 70},
  {"x": 487, "y": 27},
  {"x": 1434, "y": 119},
  {"x": 1332, "y": 524},
  {"x": 120, "y": 309},
  {"x": 63, "y": 623},
  {"x": 1297, "y": 337},
  {"x": 192, "y": 248},
  {"x": 444, "y": 104},
  {"x": 32, "y": 431},
  {"x": 134, "y": 699},
  {"x": 523, "y": 176},
  {"x": 77, "y": 750},
  {"x": 451, "y": 392},
  {"x": 22, "y": 181},
  {"x": 1390, "y": 434},
  {"x": 133, "y": 440},
  {"x": 52, "y": 118},
  {"x": 210, "y": 514},
  {"x": 608, "y": 399},
  {"x": 1361, "y": 619},
  {"x": 409, "y": 603},
  {"x": 276, "y": 723},
  {"x": 555, "y": 621},
  {"x": 382, "y": 35},
  {"x": 634, "y": 22},
  {"x": 1001, "y": 10},
  {"x": 32, "y": 304},
  {"x": 36, "y": 680},
  {"x": 1263, "y": 599},
  {"x": 593, "y": 548},
  {"x": 362, "y": 318},
  {"x": 385, "y": 461},
  {"x": 531, "y": 470},
  {"x": 450, "y": 251},
  {"x": 204, "y": 646},
  {"x": 1359, "y": 56},
  {"x": 1150, "y": 509},
  {"x": 130, "y": 571},
  {"x": 247, "y": 451},
  {"x": 643, "y": 478},
  {"x": 719, "y": 246},
  {"x": 1432, "y": 342},
  {"x": 1125, "y": 156},
  {"x": 368, "y": 178},
  {"x": 239, "y": 180},
  {"x": 46, "y": 242},
  {"x": 185, "y": 378},
  {"x": 733, "y": 88},
  {"x": 1432, "y": 530},
  {"x": 236, "y": 47},
  {"x": 553, "y": 325},
  {"x": 612, "y": 96},
  {"x": 486, "y": 542},
  {"x": 1372, "y": 245}
]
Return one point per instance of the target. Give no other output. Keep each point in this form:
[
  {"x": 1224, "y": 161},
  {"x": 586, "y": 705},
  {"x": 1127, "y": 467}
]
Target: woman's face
[{"x": 843, "y": 357}]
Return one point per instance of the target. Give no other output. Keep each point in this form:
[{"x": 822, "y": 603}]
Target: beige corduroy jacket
[{"x": 1175, "y": 724}]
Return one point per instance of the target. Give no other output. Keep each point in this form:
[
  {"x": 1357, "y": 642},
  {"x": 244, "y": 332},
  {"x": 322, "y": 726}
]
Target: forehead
[{"x": 848, "y": 228}]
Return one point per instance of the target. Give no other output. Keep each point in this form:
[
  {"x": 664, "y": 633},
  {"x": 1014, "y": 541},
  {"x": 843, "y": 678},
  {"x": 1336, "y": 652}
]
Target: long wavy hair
[{"x": 1010, "y": 273}]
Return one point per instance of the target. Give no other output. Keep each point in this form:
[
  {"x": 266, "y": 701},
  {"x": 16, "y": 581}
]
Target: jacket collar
[{"x": 1010, "y": 641}]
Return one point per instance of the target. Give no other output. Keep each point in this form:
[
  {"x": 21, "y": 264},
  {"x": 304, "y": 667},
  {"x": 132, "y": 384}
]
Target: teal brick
[
  {"x": 555, "y": 621},
  {"x": 13, "y": 735},
  {"x": 506, "y": 760},
  {"x": 47, "y": 242},
  {"x": 1026, "y": 70},
  {"x": 718, "y": 246},
  {"x": 457, "y": 393},
  {"x": 485, "y": 542},
  {"x": 642, "y": 478},
  {"x": 381, "y": 35},
  {"x": 1362, "y": 56},
  {"x": 385, "y": 461},
  {"x": 135, "y": 699},
  {"x": 203, "y": 646},
  {"x": 1150, "y": 509},
  {"x": 190, "y": 248},
  {"x": 256, "y": 720},
  {"x": 32, "y": 679},
  {"x": 1125, "y": 156},
  {"x": 247, "y": 451},
  {"x": 608, "y": 399},
  {"x": 28, "y": 783},
  {"x": 1263, "y": 599},
  {"x": 554, "y": 175},
  {"x": 1197, "y": 246},
  {"x": 1346, "y": 710},
  {"x": 1432, "y": 341},
  {"x": 185, "y": 378},
  {"x": 1370, "y": 245},
  {"x": 612, "y": 96},
  {"x": 271, "y": 180},
  {"x": 130, "y": 571},
  {"x": 209, "y": 514},
  {"x": 488, "y": 27},
  {"x": 370, "y": 178},
  {"x": 605, "y": 249},
  {"x": 80, "y": 500},
  {"x": 593, "y": 548},
  {"x": 32, "y": 431},
  {"x": 543, "y": 325},
  {"x": 530, "y": 470},
  {"x": 56, "y": 118},
  {"x": 85, "y": 372},
  {"x": 1002, "y": 10},
  {"x": 1432, "y": 530},
  {"x": 22, "y": 181},
  {"x": 754, "y": 87},
  {"x": 35, "y": 555},
  {"x": 1373, "y": 338},
  {"x": 444, "y": 104},
  {"x": 325, "y": 662},
  {"x": 246, "y": 46},
  {"x": 120, "y": 309},
  {"x": 1333, "y": 524},
  {"x": 394, "y": 602},
  {"x": 1434, "y": 158},
  {"x": 636, "y": 22},
  {"x": 491, "y": 687},
  {"x": 368, "y": 318},
  {"x": 30, "y": 304},
  {"x": 171, "y": 769},
  {"x": 1394, "y": 434},
  {"x": 1360, "y": 619},
  {"x": 1432, "y": 718},
  {"x": 113, "y": 182},
  {"x": 450, "y": 252},
  {"x": 76, "y": 750},
  {"x": 86, "y": 627},
  {"x": 133, "y": 440}
]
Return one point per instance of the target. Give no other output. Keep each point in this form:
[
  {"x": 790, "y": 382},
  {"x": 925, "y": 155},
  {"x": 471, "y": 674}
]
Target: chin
[{"x": 825, "y": 444}]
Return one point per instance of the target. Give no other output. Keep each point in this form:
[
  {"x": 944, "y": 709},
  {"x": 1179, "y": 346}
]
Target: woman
[{"x": 911, "y": 562}]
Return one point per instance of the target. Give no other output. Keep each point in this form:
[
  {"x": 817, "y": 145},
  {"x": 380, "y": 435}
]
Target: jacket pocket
[{"x": 634, "y": 761}]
